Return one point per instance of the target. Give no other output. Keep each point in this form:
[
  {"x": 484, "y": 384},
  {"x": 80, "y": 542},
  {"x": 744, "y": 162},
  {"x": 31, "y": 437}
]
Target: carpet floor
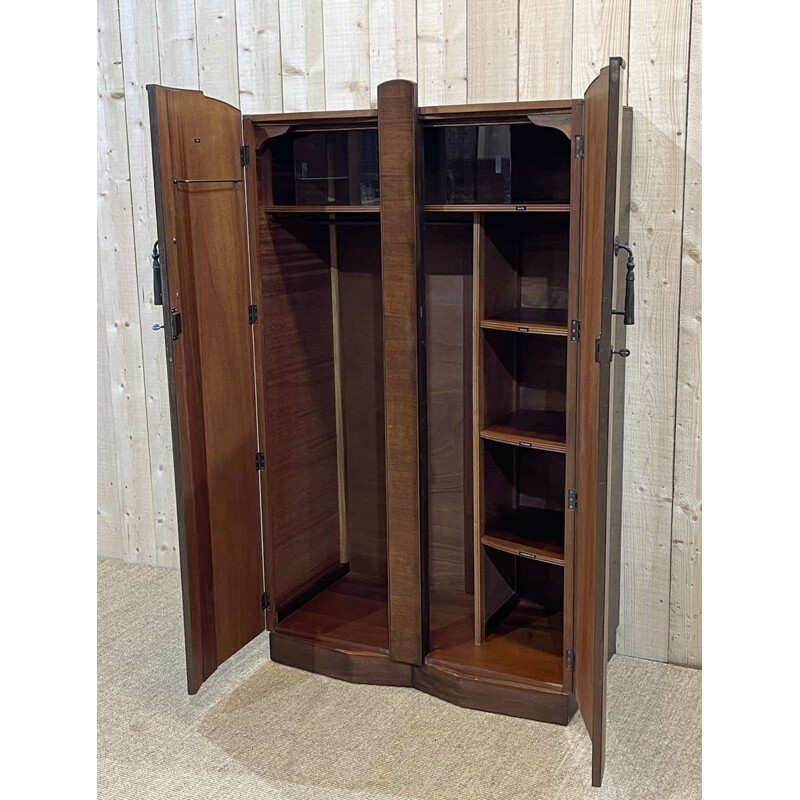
[{"x": 263, "y": 730}]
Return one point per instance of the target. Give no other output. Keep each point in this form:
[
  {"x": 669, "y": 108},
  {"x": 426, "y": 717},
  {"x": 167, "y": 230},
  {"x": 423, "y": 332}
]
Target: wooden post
[{"x": 404, "y": 366}]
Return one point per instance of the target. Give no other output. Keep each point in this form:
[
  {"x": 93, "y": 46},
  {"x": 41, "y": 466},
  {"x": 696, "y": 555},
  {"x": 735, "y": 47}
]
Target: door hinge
[
  {"x": 572, "y": 500},
  {"x": 264, "y": 601},
  {"x": 579, "y": 146},
  {"x": 260, "y": 461},
  {"x": 575, "y": 330},
  {"x": 244, "y": 155},
  {"x": 252, "y": 314},
  {"x": 570, "y": 660},
  {"x": 177, "y": 328}
]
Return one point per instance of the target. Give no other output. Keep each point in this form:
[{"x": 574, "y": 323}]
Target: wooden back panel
[
  {"x": 296, "y": 322},
  {"x": 202, "y": 231},
  {"x": 361, "y": 322},
  {"x": 404, "y": 369},
  {"x": 602, "y": 118}
]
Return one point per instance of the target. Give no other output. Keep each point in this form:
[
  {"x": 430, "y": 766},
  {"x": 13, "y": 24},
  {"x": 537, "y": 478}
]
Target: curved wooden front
[{"x": 362, "y": 666}]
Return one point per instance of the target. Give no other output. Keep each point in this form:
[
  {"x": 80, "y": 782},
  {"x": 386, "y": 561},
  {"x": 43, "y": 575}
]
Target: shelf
[
  {"x": 352, "y": 613},
  {"x": 529, "y": 320},
  {"x": 513, "y": 207},
  {"x": 526, "y": 647},
  {"x": 534, "y": 533},
  {"x": 321, "y": 209},
  {"x": 539, "y": 430}
]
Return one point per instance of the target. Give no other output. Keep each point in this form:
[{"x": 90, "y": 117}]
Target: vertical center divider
[{"x": 400, "y": 160}]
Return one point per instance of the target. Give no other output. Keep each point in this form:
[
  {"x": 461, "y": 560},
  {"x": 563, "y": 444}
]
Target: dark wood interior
[{"x": 322, "y": 316}]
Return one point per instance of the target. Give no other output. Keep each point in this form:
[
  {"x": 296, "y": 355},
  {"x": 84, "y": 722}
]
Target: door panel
[
  {"x": 201, "y": 210},
  {"x": 602, "y": 126}
]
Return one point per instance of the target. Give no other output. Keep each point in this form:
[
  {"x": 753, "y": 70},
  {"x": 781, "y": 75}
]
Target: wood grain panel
[
  {"x": 212, "y": 396},
  {"x": 117, "y": 260},
  {"x": 109, "y": 542},
  {"x": 346, "y": 25},
  {"x": 658, "y": 78},
  {"x": 392, "y": 42},
  {"x": 600, "y": 29},
  {"x": 361, "y": 322},
  {"x": 259, "y": 41},
  {"x": 177, "y": 43},
  {"x": 217, "y": 51},
  {"x": 139, "y": 35},
  {"x": 545, "y": 49},
  {"x": 685, "y": 624},
  {"x": 448, "y": 291},
  {"x": 302, "y": 55},
  {"x": 602, "y": 128},
  {"x": 300, "y": 436},
  {"x": 404, "y": 375},
  {"x": 442, "y": 51},
  {"x": 492, "y": 47}
]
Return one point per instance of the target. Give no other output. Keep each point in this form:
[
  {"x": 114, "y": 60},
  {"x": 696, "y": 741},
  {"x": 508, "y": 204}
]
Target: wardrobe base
[{"x": 362, "y": 666}]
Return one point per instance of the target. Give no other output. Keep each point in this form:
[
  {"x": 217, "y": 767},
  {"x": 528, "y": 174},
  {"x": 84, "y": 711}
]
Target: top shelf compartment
[
  {"x": 336, "y": 169},
  {"x": 521, "y": 167}
]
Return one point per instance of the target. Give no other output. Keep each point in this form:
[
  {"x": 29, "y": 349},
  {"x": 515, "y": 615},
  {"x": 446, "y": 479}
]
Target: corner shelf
[
  {"x": 534, "y": 533},
  {"x": 539, "y": 430}
]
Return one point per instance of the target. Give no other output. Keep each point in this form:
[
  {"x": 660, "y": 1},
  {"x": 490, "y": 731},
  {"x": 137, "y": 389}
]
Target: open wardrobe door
[
  {"x": 602, "y": 132},
  {"x": 202, "y": 234}
]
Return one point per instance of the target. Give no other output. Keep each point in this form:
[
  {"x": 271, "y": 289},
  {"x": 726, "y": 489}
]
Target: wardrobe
[{"x": 395, "y": 345}]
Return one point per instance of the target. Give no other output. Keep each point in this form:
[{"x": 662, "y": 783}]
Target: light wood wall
[{"x": 290, "y": 55}]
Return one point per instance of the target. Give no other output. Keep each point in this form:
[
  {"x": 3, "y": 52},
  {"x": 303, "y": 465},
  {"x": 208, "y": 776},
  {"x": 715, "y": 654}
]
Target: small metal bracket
[
  {"x": 597, "y": 350},
  {"x": 579, "y": 146},
  {"x": 260, "y": 462},
  {"x": 252, "y": 314},
  {"x": 244, "y": 155},
  {"x": 570, "y": 660},
  {"x": 572, "y": 500},
  {"x": 264, "y": 601},
  {"x": 575, "y": 330},
  {"x": 177, "y": 327}
]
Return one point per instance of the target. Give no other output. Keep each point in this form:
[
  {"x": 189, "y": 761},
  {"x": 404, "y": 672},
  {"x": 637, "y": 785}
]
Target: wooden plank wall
[{"x": 274, "y": 55}]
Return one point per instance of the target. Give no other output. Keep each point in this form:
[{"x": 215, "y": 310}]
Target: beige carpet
[{"x": 262, "y": 730}]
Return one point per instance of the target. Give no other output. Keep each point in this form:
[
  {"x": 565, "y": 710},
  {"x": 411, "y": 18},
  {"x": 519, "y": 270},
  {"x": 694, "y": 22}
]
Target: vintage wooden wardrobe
[{"x": 389, "y": 336}]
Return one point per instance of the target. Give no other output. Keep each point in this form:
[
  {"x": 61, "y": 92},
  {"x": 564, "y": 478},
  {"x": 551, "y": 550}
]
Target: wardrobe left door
[{"x": 202, "y": 232}]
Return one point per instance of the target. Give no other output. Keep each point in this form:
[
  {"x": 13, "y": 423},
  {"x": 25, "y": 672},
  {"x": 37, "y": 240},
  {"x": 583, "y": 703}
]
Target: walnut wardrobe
[{"x": 392, "y": 353}]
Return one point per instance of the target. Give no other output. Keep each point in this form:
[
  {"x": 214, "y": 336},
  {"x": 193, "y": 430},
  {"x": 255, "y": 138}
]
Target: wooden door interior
[{"x": 202, "y": 229}]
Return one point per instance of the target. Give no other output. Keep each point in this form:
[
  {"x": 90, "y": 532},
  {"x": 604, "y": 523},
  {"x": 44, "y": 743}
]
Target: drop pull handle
[
  {"x": 628, "y": 313},
  {"x": 623, "y": 353}
]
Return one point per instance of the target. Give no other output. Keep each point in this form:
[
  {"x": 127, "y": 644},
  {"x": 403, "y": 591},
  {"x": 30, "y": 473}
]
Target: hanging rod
[{"x": 207, "y": 180}]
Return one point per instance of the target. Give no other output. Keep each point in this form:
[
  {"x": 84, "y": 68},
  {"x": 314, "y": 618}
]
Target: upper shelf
[
  {"x": 321, "y": 209},
  {"x": 540, "y": 430},
  {"x": 515, "y": 208},
  {"x": 529, "y": 320}
]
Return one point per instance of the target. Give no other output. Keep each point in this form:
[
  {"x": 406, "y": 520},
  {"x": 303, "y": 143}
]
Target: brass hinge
[
  {"x": 264, "y": 601},
  {"x": 572, "y": 500},
  {"x": 570, "y": 660},
  {"x": 252, "y": 314},
  {"x": 579, "y": 146},
  {"x": 244, "y": 155},
  {"x": 575, "y": 330},
  {"x": 260, "y": 462}
]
